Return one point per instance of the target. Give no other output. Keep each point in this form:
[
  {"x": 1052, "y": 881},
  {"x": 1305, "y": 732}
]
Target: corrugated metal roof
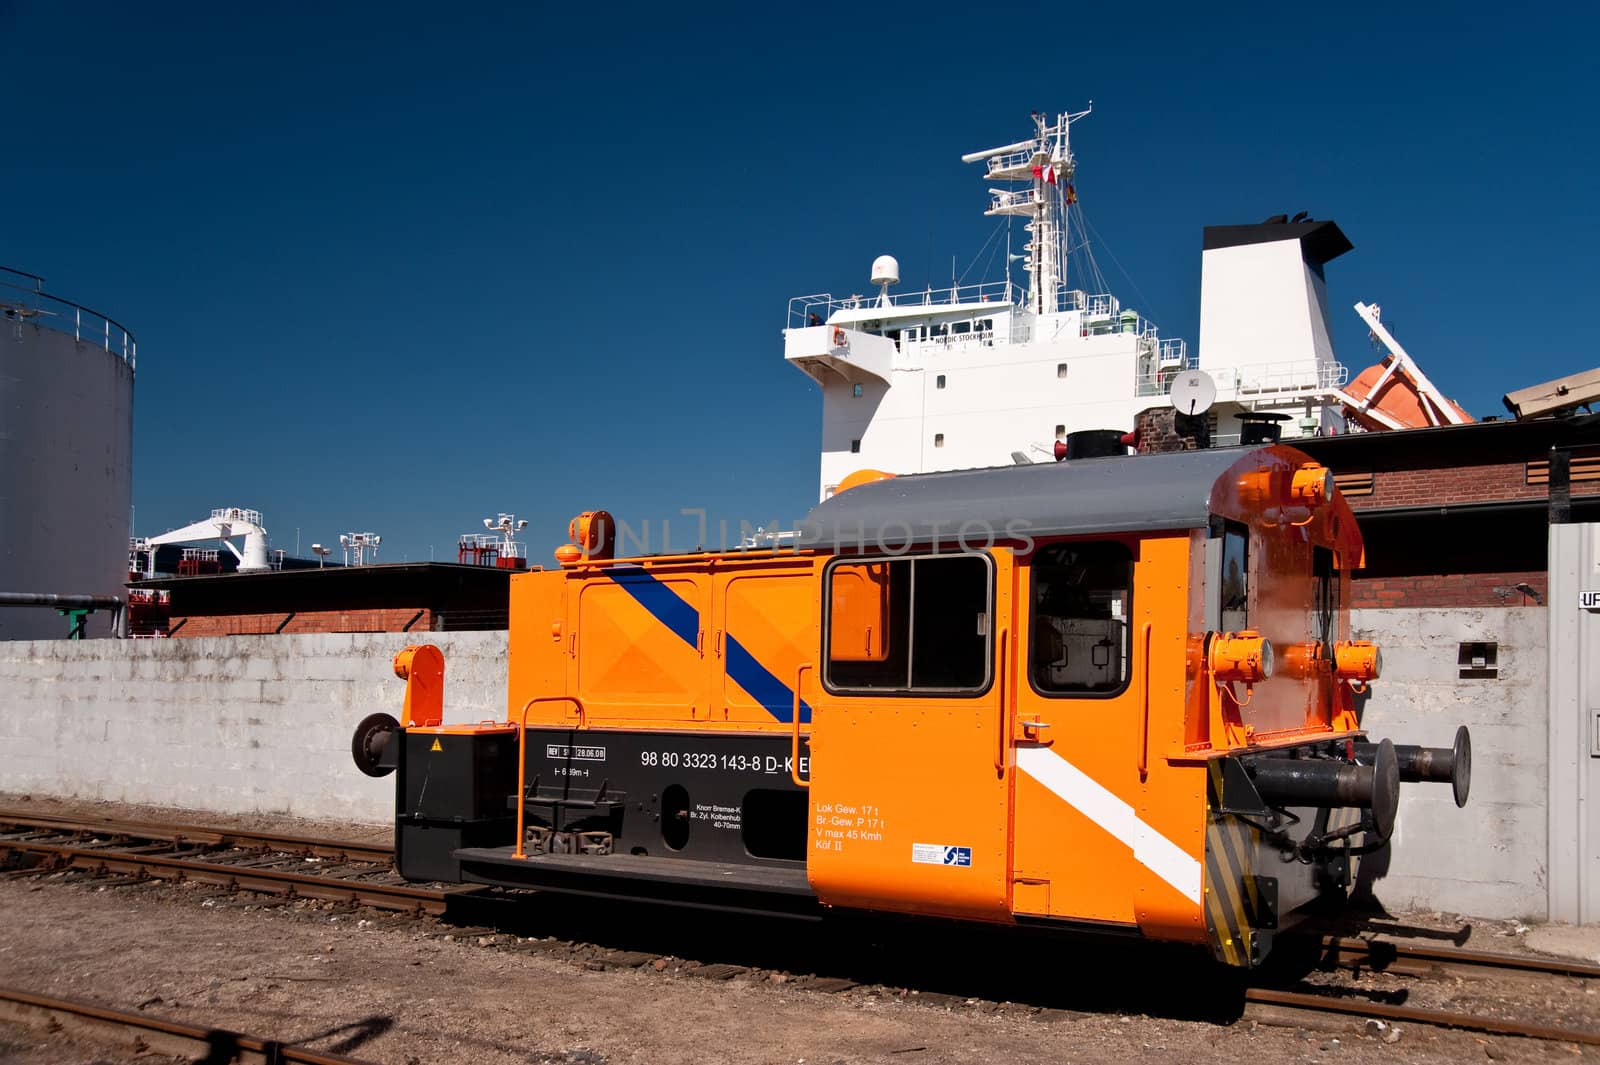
[{"x": 1080, "y": 498}]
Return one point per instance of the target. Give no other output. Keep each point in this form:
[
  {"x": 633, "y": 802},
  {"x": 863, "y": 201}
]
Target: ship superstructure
[{"x": 995, "y": 372}]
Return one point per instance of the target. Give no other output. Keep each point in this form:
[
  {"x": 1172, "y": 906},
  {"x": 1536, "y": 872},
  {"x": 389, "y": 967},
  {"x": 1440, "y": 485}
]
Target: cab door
[
  {"x": 908, "y": 779},
  {"x": 1094, "y": 837}
]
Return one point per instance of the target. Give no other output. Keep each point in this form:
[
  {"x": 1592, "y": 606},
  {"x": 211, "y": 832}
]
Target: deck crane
[{"x": 224, "y": 524}]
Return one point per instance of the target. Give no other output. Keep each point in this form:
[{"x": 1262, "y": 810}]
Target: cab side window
[
  {"x": 1082, "y": 608},
  {"x": 1235, "y": 591},
  {"x": 910, "y": 624}
]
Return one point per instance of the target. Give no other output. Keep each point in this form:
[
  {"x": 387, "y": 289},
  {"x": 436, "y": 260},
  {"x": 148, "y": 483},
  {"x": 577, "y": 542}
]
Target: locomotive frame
[{"x": 1111, "y": 693}]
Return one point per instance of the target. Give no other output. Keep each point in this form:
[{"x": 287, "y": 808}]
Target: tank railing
[
  {"x": 31, "y": 303},
  {"x": 67, "y": 603}
]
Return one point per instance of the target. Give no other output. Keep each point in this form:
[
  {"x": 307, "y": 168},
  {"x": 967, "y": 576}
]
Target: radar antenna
[{"x": 1039, "y": 174}]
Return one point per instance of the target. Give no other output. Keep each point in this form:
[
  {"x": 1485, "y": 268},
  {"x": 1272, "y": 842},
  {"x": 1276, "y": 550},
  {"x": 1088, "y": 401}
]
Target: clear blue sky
[{"x": 397, "y": 268}]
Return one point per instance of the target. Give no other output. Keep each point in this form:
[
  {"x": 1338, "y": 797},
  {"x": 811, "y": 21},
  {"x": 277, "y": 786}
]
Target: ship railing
[
  {"x": 1100, "y": 305},
  {"x": 23, "y": 299},
  {"x": 1245, "y": 384},
  {"x": 1010, "y": 161},
  {"x": 1170, "y": 358},
  {"x": 244, "y": 514},
  {"x": 1287, "y": 379},
  {"x": 824, "y": 304}
]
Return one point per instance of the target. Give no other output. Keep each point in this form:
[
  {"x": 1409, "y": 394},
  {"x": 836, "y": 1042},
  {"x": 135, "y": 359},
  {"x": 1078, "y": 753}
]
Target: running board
[{"x": 730, "y": 886}]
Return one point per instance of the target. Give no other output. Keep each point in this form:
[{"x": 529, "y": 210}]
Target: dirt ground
[{"x": 615, "y": 986}]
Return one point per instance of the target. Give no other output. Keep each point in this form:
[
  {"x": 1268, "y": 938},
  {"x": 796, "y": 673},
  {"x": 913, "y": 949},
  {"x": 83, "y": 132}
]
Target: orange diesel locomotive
[{"x": 1113, "y": 693}]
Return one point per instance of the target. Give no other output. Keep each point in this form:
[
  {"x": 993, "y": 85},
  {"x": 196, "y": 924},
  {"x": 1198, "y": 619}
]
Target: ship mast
[{"x": 1038, "y": 170}]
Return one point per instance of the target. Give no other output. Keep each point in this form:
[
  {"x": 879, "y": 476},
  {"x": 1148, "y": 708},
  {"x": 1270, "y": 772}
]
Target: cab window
[
  {"x": 919, "y": 625},
  {"x": 1082, "y": 606},
  {"x": 1235, "y": 590},
  {"x": 1325, "y": 611}
]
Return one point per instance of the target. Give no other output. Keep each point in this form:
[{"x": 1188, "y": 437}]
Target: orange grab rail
[
  {"x": 794, "y": 746},
  {"x": 1144, "y": 697},
  {"x": 522, "y": 754}
]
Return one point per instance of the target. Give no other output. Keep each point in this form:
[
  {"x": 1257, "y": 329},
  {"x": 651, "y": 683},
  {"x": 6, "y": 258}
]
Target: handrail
[
  {"x": 794, "y": 746},
  {"x": 33, "y": 304},
  {"x": 1005, "y": 708},
  {"x": 1144, "y": 695},
  {"x": 522, "y": 754}
]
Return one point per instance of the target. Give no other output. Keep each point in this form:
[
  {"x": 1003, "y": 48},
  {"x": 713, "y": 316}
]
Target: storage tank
[{"x": 66, "y": 454}]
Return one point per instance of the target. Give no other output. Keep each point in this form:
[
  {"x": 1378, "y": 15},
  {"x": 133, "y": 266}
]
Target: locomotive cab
[{"x": 1112, "y": 693}]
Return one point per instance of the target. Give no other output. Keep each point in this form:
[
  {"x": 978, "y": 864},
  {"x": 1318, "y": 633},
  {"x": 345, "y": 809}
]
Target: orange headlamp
[
  {"x": 1245, "y": 656},
  {"x": 1357, "y": 660},
  {"x": 1312, "y": 485}
]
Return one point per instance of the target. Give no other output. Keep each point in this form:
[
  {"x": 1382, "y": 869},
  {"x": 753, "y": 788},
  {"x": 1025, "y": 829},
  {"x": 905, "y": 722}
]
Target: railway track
[
  {"x": 267, "y": 863},
  {"x": 1398, "y": 958},
  {"x": 141, "y": 1035},
  {"x": 276, "y": 864}
]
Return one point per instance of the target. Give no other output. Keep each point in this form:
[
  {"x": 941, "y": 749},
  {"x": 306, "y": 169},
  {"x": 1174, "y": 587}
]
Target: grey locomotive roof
[{"x": 1083, "y": 497}]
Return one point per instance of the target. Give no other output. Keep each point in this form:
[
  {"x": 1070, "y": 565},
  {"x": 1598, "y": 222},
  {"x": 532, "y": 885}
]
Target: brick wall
[
  {"x": 1448, "y": 590},
  {"x": 401, "y": 619},
  {"x": 1486, "y": 483}
]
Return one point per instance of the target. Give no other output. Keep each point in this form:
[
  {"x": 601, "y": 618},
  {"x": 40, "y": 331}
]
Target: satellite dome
[{"x": 886, "y": 270}]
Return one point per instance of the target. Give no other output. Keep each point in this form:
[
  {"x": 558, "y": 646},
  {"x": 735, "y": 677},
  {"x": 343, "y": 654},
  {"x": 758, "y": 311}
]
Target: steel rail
[
  {"x": 1380, "y": 951},
  {"x": 207, "y": 834},
  {"x": 1470, "y": 1022},
  {"x": 158, "y": 1035},
  {"x": 404, "y": 898}
]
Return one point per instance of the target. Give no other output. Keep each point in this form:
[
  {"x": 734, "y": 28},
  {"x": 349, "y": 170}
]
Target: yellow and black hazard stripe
[{"x": 1232, "y": 900}]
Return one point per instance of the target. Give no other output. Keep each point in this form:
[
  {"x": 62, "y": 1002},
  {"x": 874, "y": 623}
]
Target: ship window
[
  {"x": 910, "y": 624},
  {"x": 938, "y": 440},
  {"x": 1061, "y": 369},
  {"x": 1082, "y": 612},
  {"x": 962, "y": 327},
  {"x": 855, "y": 390},
  {"x": 938, "y": 382},
  {"x": 855, "y": 447},
  {"x": 1235, "y": 589}
]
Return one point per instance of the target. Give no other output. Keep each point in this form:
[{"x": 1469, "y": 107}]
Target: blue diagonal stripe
[
  {"x": 669, "y": 608},
  {"x": 664, "y": 604},
  {"x": 766, "y": 689}
]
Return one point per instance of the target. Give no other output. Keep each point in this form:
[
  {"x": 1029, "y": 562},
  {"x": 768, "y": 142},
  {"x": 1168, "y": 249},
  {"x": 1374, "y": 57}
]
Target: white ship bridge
[{"x": 978, "y": 374}]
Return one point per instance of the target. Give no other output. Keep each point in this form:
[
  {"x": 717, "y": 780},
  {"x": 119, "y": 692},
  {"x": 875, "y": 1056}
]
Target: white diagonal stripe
[{"x": 1087, "y": 796}]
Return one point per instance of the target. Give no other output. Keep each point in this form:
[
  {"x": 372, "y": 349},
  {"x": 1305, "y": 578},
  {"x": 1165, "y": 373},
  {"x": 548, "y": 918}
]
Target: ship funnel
[{"x": 1262, "y": 294}]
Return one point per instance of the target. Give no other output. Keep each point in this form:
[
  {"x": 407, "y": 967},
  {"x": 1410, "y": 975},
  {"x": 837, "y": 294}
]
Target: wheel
[{"x": 368, "y": 744}]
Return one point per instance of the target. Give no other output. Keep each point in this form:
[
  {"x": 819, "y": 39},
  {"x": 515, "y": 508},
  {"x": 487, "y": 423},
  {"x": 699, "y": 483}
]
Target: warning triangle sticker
[{"x": 436, "y": 746}]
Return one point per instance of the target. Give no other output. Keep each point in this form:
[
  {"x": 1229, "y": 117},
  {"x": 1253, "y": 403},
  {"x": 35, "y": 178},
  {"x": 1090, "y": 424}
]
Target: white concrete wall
[
  {"x": 262, "y": 724},
  {"x": 1489, "y": 859},
  {"x": 241, "y": 724}
]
